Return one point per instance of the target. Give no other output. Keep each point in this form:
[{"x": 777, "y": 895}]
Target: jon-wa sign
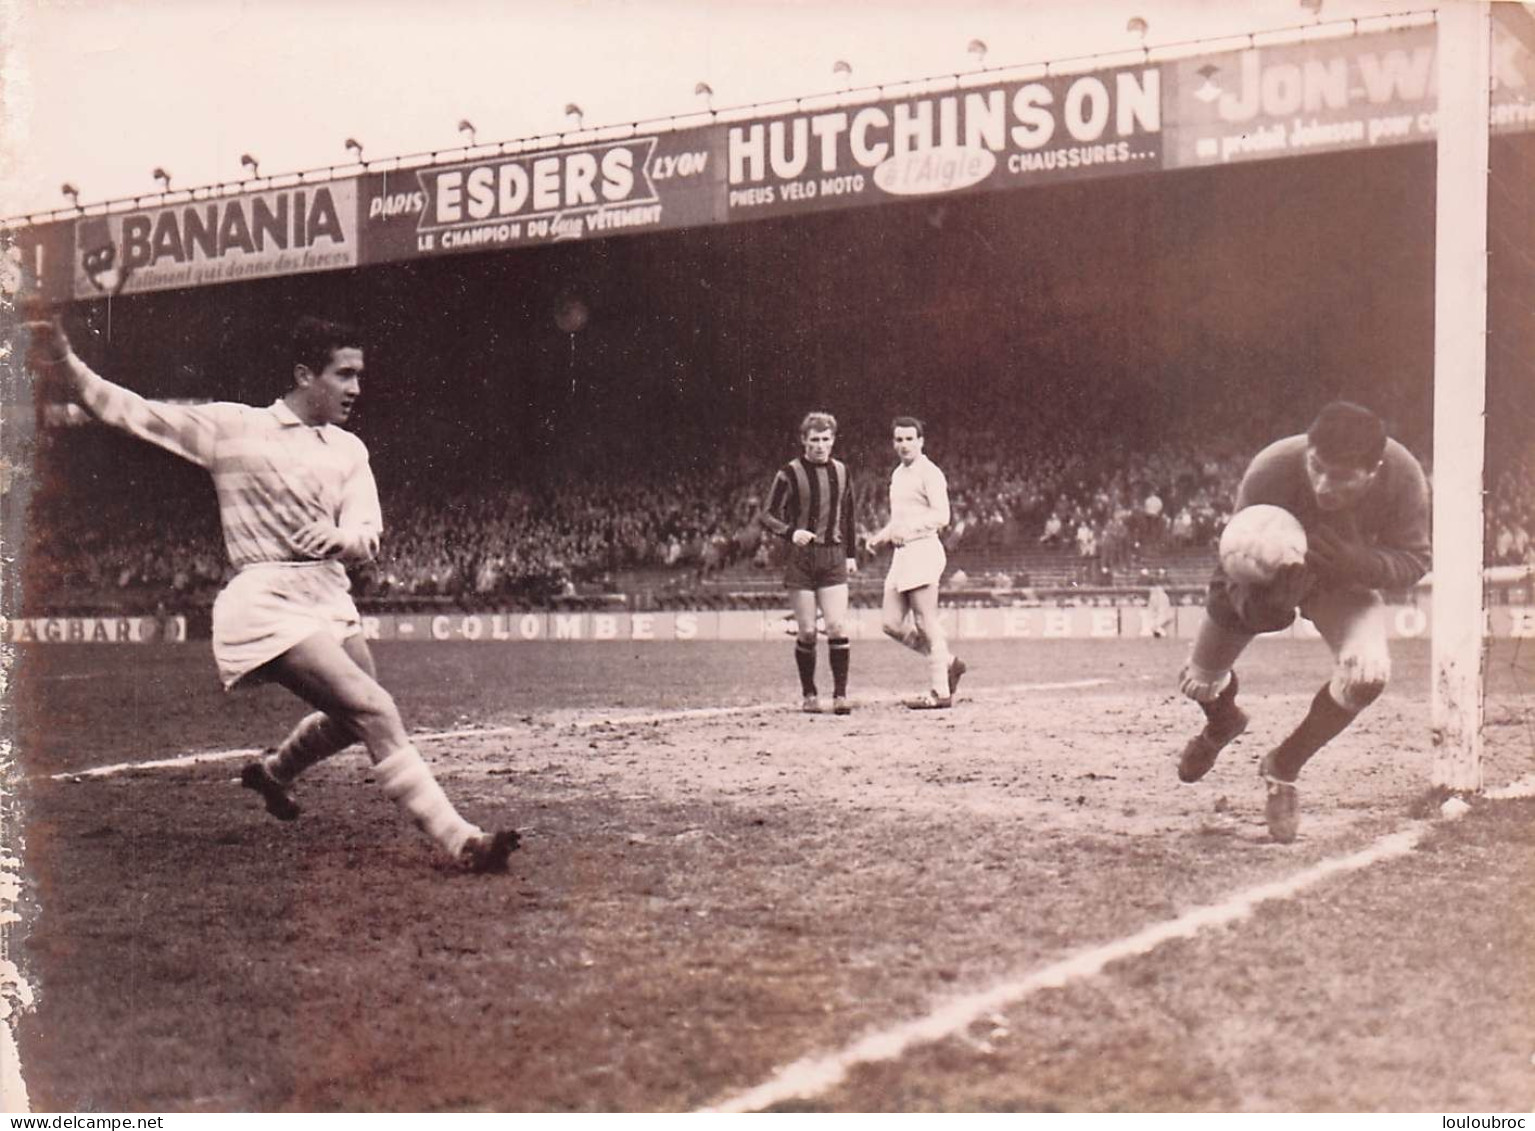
[{"x": 287, "y": 231}]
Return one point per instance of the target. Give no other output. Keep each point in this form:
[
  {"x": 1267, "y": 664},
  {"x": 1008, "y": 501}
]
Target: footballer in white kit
[
  {"x": 297, "y": 502},
  {"x": 919, "y": 509}
]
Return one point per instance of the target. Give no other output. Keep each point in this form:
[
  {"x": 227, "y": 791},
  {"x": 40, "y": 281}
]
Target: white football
[{"x": 1259, "y": 540}]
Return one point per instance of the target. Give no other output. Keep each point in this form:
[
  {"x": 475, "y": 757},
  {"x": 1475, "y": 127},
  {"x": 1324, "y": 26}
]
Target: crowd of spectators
[
  {"x": 1511, "y": 512},
  {"x": 576, "y": 532}
]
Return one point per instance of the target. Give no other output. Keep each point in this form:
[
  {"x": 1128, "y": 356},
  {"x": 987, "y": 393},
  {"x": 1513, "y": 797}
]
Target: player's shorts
[
  {"x": 916, "y": 564},
  {"x": 815, "y": 566},
  {"x": 268, "y": 608}
]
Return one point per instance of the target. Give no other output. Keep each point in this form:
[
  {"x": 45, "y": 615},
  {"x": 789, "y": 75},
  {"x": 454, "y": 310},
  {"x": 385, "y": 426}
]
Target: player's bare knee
[
  {"x": 373, "y": 714},
  {"x": 835, "y": 630},
  {"x": 805, "y": 637}
]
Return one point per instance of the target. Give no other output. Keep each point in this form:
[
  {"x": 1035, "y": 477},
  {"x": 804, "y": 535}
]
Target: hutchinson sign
[{"x": 1050, "y": 129}]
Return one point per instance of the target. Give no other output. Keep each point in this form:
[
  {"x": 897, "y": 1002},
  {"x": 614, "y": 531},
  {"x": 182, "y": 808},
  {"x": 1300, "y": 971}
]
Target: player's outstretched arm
[{"x": 186, "y": 430}]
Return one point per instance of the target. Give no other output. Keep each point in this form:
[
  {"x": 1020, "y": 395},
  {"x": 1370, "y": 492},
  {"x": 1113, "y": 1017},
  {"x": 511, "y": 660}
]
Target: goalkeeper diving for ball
[{"x": 1363, "y": 501}]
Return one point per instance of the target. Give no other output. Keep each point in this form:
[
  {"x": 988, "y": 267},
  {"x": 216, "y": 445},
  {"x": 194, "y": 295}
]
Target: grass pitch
[{"x": 706, "y": 894}]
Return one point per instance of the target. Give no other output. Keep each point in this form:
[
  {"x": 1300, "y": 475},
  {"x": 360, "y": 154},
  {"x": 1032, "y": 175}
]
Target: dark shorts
[
  {"x": 1253, "y": 609},
  {"x": 1231, "y": 605},
  {"x": 815, "y": 566}
]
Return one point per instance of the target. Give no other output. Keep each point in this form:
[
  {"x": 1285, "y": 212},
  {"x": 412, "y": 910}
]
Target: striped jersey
[
  {"x": 817, "y": 497},
  {"x": 919, "y": 499},
  {"x": 273, "y": 473}
]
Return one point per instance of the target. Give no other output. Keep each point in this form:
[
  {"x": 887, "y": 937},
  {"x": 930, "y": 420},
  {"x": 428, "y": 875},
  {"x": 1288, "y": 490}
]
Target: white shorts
[
  {"x": 916, "y": 564},
  {"x": 268, "y": 608}
]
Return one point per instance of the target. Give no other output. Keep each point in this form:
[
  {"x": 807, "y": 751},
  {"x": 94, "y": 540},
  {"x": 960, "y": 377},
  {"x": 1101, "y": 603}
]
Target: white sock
[
  {"x": 408, "y": 782},
  {"x": 1202, "y": 686},
  {"x": 316, "y": 738},
  {"x": 938, "y": 666}
]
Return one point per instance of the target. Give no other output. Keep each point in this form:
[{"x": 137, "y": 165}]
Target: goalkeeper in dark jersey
[
  {"x": 1363, "y": 500},
  {"x": 812, "y": 505}
]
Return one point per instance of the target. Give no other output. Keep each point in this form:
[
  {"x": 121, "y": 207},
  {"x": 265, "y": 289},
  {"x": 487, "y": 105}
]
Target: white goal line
[{"x": 812, "y": 1076}]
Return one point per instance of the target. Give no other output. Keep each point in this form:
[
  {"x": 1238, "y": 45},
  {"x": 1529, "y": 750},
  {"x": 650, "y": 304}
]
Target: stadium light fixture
[
  {"x": 356, "y": 147},
  {"x": 1139, "y": 27},
  {"x": 251, "y": 163},
  {"x": 574, "y": 111},
  {"x": 70, "y": 191},
  {"x": 845, "y": 69},
  {"x": 706, "y": 92},
  {"x": 465, "y": 126},
  {"x": 1314, "y": 7},
  {"x": 163, "y": 177},
  {"x": 977, "y": 47}
]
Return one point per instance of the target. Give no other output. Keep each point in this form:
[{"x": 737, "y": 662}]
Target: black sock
[
  {"x": 1324, "y": 722},
  {"x": 1222, "y": 708},
  {"x": 840, "y": 649},
  {"x": 804, "y": 658}
]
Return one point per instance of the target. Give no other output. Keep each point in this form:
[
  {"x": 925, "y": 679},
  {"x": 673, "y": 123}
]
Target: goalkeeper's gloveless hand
[
  {"x": 1291, "y": 585},
  {"x": 1332, "y": 558}
]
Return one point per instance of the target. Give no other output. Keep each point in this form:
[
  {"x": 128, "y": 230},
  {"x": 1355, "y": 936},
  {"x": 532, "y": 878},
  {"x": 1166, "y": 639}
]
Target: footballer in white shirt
[{"x": 919, "y": 509}]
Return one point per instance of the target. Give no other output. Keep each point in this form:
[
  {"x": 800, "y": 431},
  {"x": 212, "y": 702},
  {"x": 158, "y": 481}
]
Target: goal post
[{"x": 1460, "y": 392}]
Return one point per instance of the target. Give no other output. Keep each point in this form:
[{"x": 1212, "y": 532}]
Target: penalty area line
[
  {"x": 680, "y": 715},
  {"x": 812, "y": 1076},
  {"x": 201, "y": 757},
  {"x": 684, "y": 714}
]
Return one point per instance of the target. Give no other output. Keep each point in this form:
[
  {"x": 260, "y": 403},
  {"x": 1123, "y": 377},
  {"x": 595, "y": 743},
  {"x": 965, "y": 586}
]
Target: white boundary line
[
  {"x": 766, "y": 708},
  {"x": 204, "y": 756},
  {"x": 811, "y": 1076},
  {"x": 1523, "y": 787}
]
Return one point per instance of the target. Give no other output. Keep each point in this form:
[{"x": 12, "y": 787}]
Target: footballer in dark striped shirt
[{"x": 813, "y": 506}]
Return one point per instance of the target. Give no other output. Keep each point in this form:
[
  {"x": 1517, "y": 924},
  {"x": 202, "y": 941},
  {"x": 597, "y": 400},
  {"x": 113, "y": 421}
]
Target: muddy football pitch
[{"x": 724, "y": 903}]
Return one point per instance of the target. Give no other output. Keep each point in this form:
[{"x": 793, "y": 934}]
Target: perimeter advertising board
[
  {"x": 1403, "y": 622},
  {"x": 291, "y": 231},
  {"x": 38, "y": 258},
  {"x": 1055, "y": 128},
  {"x": 1326, "y": 95},
  {"x": 601, "y": 189}
]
